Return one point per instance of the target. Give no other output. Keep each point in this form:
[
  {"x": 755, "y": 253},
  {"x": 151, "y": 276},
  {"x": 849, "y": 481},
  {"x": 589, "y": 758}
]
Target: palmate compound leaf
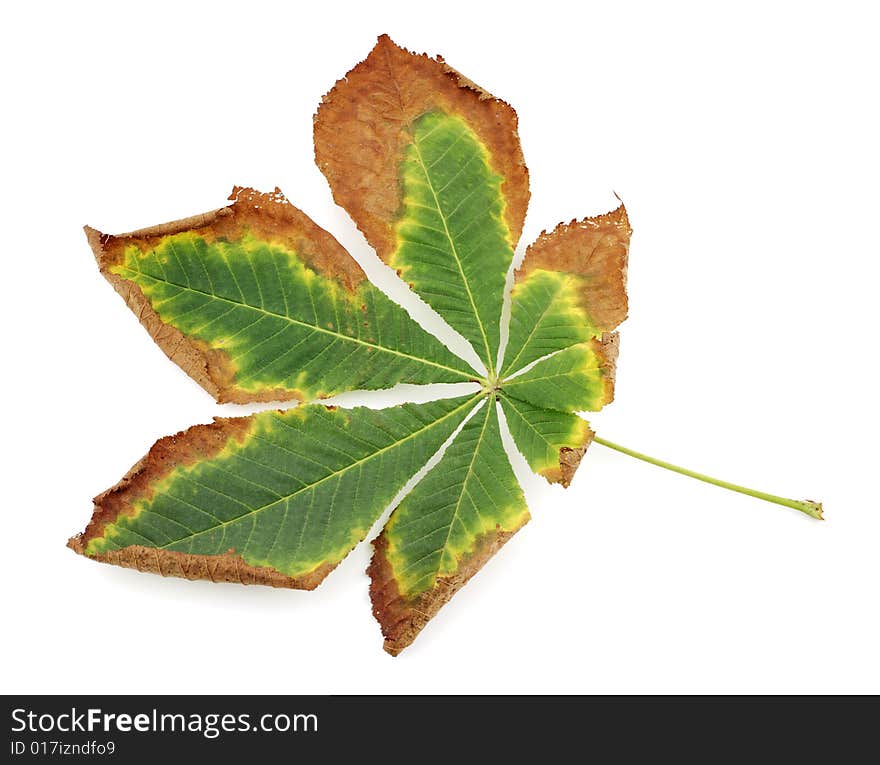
[{"x": 257, "y": 303}]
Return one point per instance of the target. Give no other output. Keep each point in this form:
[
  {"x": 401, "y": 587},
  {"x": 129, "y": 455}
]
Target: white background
[{"x": 744, "y": 144}]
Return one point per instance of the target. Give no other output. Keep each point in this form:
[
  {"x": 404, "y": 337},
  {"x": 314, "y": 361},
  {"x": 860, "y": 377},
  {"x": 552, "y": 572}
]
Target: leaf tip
[
  {"x": 569, "y": 459},
  {"x": 96, "y": 241},
  {"x": 75, "y": 543}
]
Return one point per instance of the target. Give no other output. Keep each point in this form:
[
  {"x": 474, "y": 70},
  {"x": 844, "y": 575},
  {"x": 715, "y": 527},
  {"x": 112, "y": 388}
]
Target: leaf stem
[{"x": 813, "y": 509}]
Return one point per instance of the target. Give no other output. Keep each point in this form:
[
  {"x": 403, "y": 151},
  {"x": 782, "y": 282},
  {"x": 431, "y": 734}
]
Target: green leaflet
[
  {"x": 453, "y": 245},
  {"x": 544, "y": 318},
  {"x": 569, "y": 381},
  {"x": 295, "y": 493},
  {"x": 282, "y": 325},
  {"x": 443, "y": 532},
  {"x": 471, "y": 492},
  {"x": 552, "y": 442}
]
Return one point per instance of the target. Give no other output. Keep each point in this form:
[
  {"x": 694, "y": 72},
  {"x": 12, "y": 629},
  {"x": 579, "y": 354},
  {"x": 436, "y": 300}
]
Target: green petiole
[{"x": 813, "y": 509}]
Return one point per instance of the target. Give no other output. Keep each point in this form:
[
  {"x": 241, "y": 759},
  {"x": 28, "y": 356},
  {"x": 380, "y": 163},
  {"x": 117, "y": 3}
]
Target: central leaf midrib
[
  {"x": 516, "y": 378},
  {"x": 523, "y": 380},
  {"x": 489, "y": 360},
  {"x": 334, "y": 474},
  {"x": 316, "y": 327},
  {"x": 464, "y": 483}
]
